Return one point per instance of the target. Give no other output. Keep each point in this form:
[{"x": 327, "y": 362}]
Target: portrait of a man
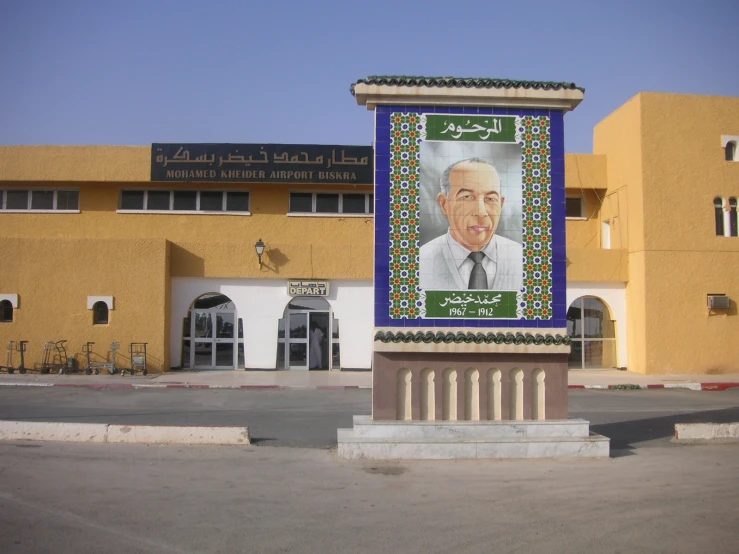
[{"x": 472, "y": 254}]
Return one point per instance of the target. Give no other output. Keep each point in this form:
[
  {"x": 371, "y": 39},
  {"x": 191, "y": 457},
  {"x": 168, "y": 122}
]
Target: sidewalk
[{"x": 340, "y": 380}]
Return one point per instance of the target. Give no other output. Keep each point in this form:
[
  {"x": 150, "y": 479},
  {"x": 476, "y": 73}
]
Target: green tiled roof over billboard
[{"x": 472, "y": 82}]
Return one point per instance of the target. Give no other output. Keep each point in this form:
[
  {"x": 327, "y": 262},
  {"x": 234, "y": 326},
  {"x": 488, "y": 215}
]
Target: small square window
[
  {"x": 574, "y": 207},
  {"x": 16, "y": 200},
  {"x": 353, "y": 204},
  {"x": 327, "y": 203},
  {"x": 185, "y": 199},
  {"x": 67, "y": 200},
  {"x": 237, "y": 202},
  {"x": 132, "y": 200},
  {"x": 157, "y": 200},
  {"x": 211, "y": 201},
  {"x": 301, "y": 202},
  {"x": 42, "y": 200}
]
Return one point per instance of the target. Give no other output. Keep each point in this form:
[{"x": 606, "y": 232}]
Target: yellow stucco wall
[
  {"x": 585, "y": 171},
  {"x": 53, "y": 278},
  {"x": 618, "y": 137},
  {"x": 585, "y": 233},
  {"x": 218, "y": 245},
  {"x": 683, "y": 170},
  {"x": 75, "y": 163},
  {"x": 665, "y": 165}
]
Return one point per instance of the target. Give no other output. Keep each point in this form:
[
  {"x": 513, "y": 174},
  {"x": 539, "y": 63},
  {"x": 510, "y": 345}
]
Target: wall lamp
[{"x": 259, "y": 246}]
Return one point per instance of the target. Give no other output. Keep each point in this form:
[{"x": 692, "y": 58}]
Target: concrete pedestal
[{"x": 446, "y": 440}]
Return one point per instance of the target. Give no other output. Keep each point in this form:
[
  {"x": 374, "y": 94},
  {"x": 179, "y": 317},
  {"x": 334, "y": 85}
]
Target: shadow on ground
[{"x": 625, "y": 434}]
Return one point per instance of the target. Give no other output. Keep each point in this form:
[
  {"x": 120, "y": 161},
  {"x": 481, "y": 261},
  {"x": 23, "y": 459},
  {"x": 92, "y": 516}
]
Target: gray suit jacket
[{"x": 439, "y": 271}]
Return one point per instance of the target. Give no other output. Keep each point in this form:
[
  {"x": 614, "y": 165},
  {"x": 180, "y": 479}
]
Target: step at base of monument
[
  {"x": 454, "y": 440},
  {"x": 364, "y": 426}
]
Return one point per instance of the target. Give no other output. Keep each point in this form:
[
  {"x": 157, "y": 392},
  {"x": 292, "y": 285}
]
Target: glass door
[
  {"x": 201, "y": 353},
  {"x": 223, "y": 347},
  {"x": 297, "y": 340},
  {"x": 213, "y": 337}
]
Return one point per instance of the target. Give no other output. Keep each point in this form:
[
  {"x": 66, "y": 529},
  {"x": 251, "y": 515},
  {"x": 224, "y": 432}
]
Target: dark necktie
[{"x": 478, "y": 277}]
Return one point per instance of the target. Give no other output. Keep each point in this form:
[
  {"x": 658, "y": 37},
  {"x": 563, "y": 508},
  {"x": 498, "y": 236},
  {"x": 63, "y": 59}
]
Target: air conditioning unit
[{"x": 718, "y": 302}]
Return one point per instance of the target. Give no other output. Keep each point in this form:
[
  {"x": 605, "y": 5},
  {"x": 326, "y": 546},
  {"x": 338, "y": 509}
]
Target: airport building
[{"x": 261, "y": 256}]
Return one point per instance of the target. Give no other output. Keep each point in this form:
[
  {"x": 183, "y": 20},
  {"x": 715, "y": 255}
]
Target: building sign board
[
  {"x": 307, "y": 288},
  {"x": 262, "y": 163}
]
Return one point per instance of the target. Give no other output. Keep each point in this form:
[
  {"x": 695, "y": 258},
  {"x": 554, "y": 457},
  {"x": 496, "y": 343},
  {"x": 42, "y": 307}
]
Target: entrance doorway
[
  {"x": 593, "y": 334},
  {"x": 213, "y": 337},
  {"x": 308, "y": 336}
]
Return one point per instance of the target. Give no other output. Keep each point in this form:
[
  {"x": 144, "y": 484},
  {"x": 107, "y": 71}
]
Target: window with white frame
[
  {"x": 731, "y": 150},
  {"x": 350, "y": 203},
  {"x": 725, "y": 214},
  {"x": 718, "y": 212},
  {"x": 575, "y": 207},
  {"x": 185, "y": 201},
  {"x": 6, "y": 311},
  {"x": 40, "y": 200}
]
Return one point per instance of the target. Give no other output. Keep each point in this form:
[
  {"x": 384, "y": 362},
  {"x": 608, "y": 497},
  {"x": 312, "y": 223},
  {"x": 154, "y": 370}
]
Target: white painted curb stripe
[
  {"x": 707, "y": 431},
  {"x": 130, "y": 434}
]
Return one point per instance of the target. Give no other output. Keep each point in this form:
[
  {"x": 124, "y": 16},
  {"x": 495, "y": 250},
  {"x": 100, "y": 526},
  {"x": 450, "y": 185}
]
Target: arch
[
  {"x": 404, "y": 405},
  {"x": 100, "y": 313},
  {"x": 516, "y": 399},
  {"x": 449, "y": 395},
  {"x": 730, "y": 151},
  {"x": 212, "y": 334},
  {"x": 308, "y": 335},
  {"x": 733, "y": 227},
  {"x": 494, "y": 395},
  {"x": 592, "y": 332},
  {"x": 6, "y": 311},
  {"x": 538, "y": 394},
  {"x": 718, "y": 212},
  {"x": 428, "y": 395},
  {"x": 472, "y": 395}
]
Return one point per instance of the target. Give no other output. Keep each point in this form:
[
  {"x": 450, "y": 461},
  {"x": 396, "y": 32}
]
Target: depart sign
[
  {"x": 307, "y": 288},
  {"x": 263, "y": 163}
]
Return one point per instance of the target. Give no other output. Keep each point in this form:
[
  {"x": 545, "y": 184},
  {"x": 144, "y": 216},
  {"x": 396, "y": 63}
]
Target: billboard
[{"x": 471, "y": 230}]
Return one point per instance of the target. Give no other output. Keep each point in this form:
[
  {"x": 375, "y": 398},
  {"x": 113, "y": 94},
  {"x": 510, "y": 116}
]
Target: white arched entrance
[
  {"x": 308, "y": 335},
  {"x": 212, "y": 334},
  {"x": 592, "y": 331}
]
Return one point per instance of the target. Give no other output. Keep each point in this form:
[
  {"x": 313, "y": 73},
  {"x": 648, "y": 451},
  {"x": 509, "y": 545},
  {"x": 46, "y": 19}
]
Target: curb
[
  {"x": 343, "y": 388},
  {"x": 128, "y": 386},
  {"x": 123, "y": 434},
  {"x": 706, "y": 432},
  {"x": 689, "y": 386}
]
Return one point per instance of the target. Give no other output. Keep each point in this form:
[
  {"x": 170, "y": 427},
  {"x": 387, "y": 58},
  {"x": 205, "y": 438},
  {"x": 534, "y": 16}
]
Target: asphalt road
[
  {"x": 309, "y": 418},
  {"x": 109, "y": 498}
]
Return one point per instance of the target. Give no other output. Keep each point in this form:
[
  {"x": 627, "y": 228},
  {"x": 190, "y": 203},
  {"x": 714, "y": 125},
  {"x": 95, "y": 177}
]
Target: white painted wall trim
[
  {"x": 261, "y": 304},
  {"x": 614, "y": 295},
  {"x": 91, "y": 300},
  {"x": 13, "y": 298}
]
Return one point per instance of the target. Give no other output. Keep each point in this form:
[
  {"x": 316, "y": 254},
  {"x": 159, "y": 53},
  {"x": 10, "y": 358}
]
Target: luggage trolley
[
  {"x": 97, "y": 366},
  {"x": 54, "y": 351},
  {"x": 21, "y": 348},
  {"x": 138, "y": 358}
]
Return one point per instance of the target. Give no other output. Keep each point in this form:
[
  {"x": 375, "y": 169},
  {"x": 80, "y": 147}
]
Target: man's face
[{"x": 474, "y": 204}]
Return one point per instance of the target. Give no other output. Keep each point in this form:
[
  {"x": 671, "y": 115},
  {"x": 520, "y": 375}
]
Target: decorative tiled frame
[
  {"x": 406, "y": 135},
  {"x": 384, "y": 218}
]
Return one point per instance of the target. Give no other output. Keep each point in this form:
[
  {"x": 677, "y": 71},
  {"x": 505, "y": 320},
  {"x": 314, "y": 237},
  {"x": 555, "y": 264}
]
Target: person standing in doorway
[{"x": 316, "y": 343}]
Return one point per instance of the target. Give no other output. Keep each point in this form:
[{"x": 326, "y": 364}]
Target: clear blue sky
[{"x": 137, "y": 72}]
